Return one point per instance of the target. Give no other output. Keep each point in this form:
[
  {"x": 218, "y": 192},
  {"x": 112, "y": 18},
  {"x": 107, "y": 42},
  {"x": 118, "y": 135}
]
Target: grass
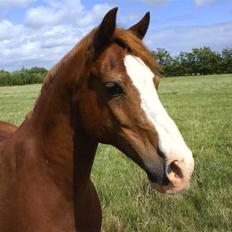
[{"x": 202, "y": 109}]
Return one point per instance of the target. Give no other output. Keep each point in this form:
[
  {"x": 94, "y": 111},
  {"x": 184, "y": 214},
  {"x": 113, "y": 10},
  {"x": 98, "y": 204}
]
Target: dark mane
[
  {"x": 134, "y": 45},
  {"x": 74, "y": 58},
  {"x": 80, "y": 48},
  {"x": 77, "y": 58}
]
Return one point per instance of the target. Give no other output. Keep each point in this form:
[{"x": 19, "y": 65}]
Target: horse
[
  {"x": 104, "y": 90},
  {"x": 6, "y": 129}
]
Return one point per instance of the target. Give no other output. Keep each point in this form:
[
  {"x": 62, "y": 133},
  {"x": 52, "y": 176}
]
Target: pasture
[{"x": 202, "y": 108}]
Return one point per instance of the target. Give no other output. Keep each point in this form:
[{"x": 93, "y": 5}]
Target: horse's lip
[
  {"x": 162, "y": 180},
  {"x": 152, "y": 178}
]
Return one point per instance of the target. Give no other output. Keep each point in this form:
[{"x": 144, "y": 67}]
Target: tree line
[
  {"x": 200, "y": 61},
  {"x": 22, "y": 77}
]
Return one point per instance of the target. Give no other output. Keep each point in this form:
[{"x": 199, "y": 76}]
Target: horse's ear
[
  {"x": 140, "y": 28},
  {"x": 105, "y": 30}
]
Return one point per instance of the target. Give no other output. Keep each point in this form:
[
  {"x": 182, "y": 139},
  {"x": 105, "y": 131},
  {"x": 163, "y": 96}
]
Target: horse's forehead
[
  {"x": 112, "y": 60},
  {"x": 114, "y": 57},
  {"x": 113, "y": 52},
  {"x": 137, "y": 67},
  {"x": 140, "y": 74}
]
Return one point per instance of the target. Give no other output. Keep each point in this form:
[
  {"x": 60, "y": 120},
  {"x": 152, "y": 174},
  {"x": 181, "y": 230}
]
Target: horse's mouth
[
  {"x": 163, "y": 185},
  {"x": 161, "y": 180},
  {"x": 152, "y": 179},
  {"x": 159, "y": 185}
]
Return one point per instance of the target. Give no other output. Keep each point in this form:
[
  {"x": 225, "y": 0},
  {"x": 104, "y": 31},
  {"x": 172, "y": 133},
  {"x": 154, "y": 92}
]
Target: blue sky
[{"x": 40, "y": 32}]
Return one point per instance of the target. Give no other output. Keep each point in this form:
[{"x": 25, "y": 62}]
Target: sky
[{"x": 40, "y": 32}]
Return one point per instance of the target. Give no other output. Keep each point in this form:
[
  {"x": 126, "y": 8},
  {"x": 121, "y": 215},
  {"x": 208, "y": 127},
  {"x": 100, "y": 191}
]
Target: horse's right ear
[{"x": 105, "y": 30}]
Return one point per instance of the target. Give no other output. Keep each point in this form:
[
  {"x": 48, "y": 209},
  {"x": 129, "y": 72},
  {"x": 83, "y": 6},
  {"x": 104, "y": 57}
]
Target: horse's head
[{"x": 118, "y": 104}]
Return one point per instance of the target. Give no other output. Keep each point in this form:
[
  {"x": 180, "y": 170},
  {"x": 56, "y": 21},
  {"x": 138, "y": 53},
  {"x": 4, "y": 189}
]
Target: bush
[
  {"x": 4, "y": 78},
  {"x": 22, "y": 77}
]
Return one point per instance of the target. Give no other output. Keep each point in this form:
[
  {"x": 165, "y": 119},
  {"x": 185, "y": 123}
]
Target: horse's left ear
[
  {"x": 140, "y": 29},
  {"x": 105, "y": 30}
]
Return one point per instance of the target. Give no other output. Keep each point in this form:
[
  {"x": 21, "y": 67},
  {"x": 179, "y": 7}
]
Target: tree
[
  {"x": 4, "y": 78},
  {"x": 163, "y": 56},
  {"x": 206, "y": 61},
  {"x": 165, "y": 61},
  {"x": 226, "y": 62},
  {"x": 38, "y": 70}
]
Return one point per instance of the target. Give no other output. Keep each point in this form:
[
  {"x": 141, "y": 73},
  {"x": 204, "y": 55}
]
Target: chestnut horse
[
  {"x": 103, "y": 90},
  {"x": 6, "y": 129}
]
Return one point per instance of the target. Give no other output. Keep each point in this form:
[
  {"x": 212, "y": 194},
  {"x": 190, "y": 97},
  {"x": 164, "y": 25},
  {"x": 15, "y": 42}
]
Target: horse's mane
[{"x": 125, "y": 37}]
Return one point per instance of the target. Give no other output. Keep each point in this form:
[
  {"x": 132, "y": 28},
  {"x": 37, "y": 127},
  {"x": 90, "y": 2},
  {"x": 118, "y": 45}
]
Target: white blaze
[{"x": 171, "y": 142}]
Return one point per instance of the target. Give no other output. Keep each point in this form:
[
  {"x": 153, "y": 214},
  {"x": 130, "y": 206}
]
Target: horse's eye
[{"x": 114, "y": 89}]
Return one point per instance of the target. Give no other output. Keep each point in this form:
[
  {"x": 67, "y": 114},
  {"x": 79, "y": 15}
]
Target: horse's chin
[{"x": 169, "y": 189}]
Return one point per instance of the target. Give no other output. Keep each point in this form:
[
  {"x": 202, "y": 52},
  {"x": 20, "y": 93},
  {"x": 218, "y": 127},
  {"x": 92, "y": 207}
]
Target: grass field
[{"x": 202, "y": 109}]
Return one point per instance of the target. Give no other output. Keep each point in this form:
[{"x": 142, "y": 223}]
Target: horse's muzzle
[{"x": 175, "y": 178}]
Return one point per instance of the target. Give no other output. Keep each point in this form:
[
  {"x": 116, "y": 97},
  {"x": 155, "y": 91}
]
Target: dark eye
[{"x": 114, "y": 89}]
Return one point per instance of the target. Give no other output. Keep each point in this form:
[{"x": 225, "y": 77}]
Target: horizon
[{"x": 29, "y": 39}]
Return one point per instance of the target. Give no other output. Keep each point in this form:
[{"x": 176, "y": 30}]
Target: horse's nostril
[
  {"x": 175, "y": 172},
  {"x": 175, "y": 167}
]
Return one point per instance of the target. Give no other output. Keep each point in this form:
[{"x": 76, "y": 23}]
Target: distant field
[{"x": 202, "y": 109}]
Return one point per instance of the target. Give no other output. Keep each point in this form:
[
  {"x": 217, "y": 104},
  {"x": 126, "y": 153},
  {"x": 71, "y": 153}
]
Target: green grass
[{"x": 202, "y": 109}]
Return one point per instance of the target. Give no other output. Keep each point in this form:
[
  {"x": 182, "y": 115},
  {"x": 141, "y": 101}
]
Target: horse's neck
[
  {"x": 67, "y": 148},
  {"x": 55, "y": 187},
  {"x": 65, "y": 178},
  {"x": 51, "y": 115},
  {"x": 85, "y": 198},
  {"x": 58, "y": 88},
  {"x": 69, "y": 152}
]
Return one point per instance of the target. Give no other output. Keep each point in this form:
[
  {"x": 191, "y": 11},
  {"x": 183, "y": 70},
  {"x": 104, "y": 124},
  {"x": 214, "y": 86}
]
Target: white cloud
[
  {"x": 42, "y": 41},
  {"x": 151, "y": 2},
  {"x": 23, "y": 46},
  {"x": 64, "y": 12},
  {"x": 96, "y": 13},
  {"x": 155, "y": 2},
  {"x": 35, "y": 17},
  {"x": 178, "y": 39},
  {"x": 204, "y": 2},
  {"x": 11, "y": 3},
  {"x": 8, "y": 30},
  {"x": 55, "y": 11},
  {"x": 33, "y": 48}
]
